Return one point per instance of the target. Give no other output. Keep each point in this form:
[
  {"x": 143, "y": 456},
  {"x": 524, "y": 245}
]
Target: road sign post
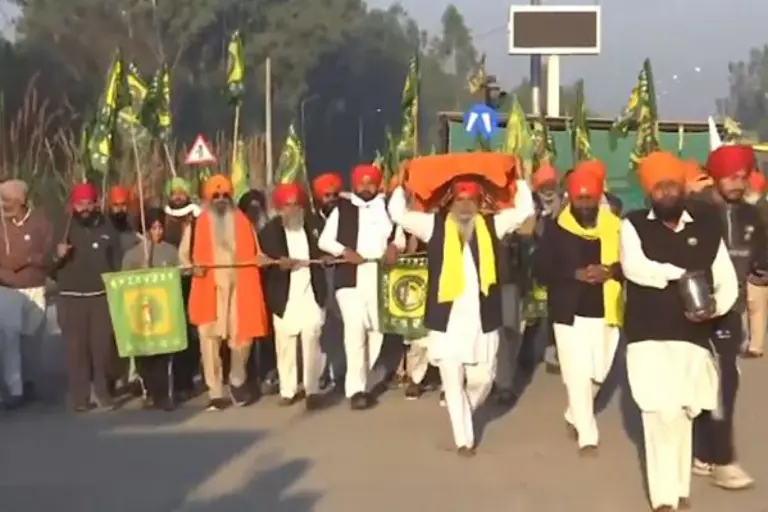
[{"x": 201, "y": 153}]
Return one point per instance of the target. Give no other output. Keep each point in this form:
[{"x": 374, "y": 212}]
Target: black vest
[
  {"x": 277, "y": 282},
  {"x": 345, "y": 274},
  {"x": 436, "y": 313},
  {"x": 653, "y": 314}
]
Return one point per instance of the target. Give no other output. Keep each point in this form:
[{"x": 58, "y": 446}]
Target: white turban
[{"x": 14, "y": 189}]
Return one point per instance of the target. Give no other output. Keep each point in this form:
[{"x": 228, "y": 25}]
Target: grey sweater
[{"x": 160, "y": 255}]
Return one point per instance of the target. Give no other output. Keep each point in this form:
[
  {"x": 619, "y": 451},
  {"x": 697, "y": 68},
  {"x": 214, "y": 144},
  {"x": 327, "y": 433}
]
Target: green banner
[
  {"x": 403, "y": 297},
  {"x": 147, "y": 311}
]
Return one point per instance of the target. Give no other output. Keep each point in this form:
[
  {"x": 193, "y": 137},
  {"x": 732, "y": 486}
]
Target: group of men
[{"x": 303, "y": 285}]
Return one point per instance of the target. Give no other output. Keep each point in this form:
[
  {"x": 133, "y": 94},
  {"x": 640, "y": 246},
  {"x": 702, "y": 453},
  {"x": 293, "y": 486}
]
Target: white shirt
[
  {"x": 641, "y": 270},
  {"x": 301, "y": 308},
  {"x": 463, "y": 339}
]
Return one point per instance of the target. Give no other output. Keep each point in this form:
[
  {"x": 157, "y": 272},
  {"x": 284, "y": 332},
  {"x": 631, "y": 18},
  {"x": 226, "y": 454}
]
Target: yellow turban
[
  {"x": 661, "y": 166},
  {"x": 217, "y": 184}
]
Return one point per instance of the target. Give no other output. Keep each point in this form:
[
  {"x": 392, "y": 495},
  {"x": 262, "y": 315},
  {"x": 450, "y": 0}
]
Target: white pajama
[
  {"x": 586, "y": 351},
  {"x": 466, "y": 386},
  {"x": 417, "y": 359}
]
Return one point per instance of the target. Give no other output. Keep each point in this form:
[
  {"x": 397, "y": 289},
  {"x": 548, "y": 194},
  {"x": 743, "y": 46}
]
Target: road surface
[{"x": 398, "y": 456}]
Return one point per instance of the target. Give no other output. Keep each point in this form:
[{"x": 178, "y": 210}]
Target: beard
[
  {"x": 120, "y": 221},
  {"x": 366, "y": 195},
  {"x": 586, "y": 216},
  {"x": 223, "y": 226},
  {"x": 294, "y": 221},
  {"x": 668, "y": 211},
  {"x": 466, "y": 225},
  {"x": 85, "y": 217},
  {"x": 328, "y": 207}
]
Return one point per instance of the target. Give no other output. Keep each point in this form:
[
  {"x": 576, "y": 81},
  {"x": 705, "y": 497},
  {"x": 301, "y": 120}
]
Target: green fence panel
[{"x": 621, "y": 180}]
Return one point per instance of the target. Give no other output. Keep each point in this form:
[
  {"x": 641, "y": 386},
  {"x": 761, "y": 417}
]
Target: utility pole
[{"x": 536, "y": 78}]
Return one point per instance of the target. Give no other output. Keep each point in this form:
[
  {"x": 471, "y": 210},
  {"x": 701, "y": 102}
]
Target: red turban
[
  {"x": 83, "y": 192},
  {"x": 757, "y": 182},
  {"x": 327, "y": 183},
  {"x": 361, "y": 172},
  {"x": 544, "y": 175},
  {"x": 287, "y": 192},
  {"x": 467, "y": 188},
  {"x": 119, "y": 195},
  {"x": 726, "y": 161},
  {"x": 586, "y": 180}
]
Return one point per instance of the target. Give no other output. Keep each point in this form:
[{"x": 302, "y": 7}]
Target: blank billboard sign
[{"x": 554, "y": 30}]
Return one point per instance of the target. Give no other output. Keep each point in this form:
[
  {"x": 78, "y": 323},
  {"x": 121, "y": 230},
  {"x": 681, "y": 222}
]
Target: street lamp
[{"x": 361, "y": 131}]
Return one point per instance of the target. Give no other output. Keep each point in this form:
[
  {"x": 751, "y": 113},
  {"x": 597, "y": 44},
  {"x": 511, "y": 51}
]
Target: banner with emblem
[
  {"x": 403, "y": 296},
  {"x": 147, "y": 311}
]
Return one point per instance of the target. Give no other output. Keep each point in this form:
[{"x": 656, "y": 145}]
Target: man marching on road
[
  {"x": 360, "y": 231},
  {"x": 671, "y": 369},
  {"x": 296, "y": 293},
  {"x": 463, "y": 308},
  {"x": 226, "y": 302}
]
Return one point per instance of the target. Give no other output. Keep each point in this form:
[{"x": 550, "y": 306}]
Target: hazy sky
[{"x": 680, "y": 36}]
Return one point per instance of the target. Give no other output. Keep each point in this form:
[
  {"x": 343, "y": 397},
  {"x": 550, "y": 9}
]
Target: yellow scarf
[
  {"x": 451, "y": 283},
  {"x": 607, "y": 231}
]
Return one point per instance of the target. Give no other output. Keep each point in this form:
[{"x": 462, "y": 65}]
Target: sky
[{"x": 689, "y": 42}]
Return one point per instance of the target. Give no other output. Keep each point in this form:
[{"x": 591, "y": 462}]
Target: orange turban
[
  {"x": 757, "y": 182},
  {"x": 726, "y": 161},
  {"x": 467, "y": 188},
  {"x": 586, "y": 180},
  {"x": 287, "y": 192},
  {"x": 327, "y": 183},
  {"x": 695, "y": 179},
  {"x": 661, "y": 166},
  {"x": 544, "y": 175},
  {"x": 119, "y": 195},
  {"x": 361, "y": 172},
  {"x": 217, "y": 184}
]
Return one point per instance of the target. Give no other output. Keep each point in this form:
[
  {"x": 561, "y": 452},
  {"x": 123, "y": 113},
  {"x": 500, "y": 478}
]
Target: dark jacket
[
  {"x": 277, "y": 282},
  {"x": 95, "y": 251}
]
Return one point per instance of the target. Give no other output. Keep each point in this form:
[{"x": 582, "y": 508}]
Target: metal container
[{"x": 697, "y": 294}]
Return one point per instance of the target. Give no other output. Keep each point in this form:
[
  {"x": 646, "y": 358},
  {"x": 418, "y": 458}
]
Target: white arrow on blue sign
[{"x": 481, "y": 120}]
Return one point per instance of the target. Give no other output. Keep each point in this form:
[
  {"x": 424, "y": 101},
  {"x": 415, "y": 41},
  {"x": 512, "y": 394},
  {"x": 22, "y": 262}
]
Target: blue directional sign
[{"x": 481, "y": 120}]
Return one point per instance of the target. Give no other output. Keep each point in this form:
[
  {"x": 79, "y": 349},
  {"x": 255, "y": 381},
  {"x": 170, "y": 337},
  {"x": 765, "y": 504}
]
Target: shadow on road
[{"x": 76, "y": 464}]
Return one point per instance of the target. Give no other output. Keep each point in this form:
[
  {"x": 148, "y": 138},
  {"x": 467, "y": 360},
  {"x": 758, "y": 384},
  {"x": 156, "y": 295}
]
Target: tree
[{"x": 747, "y": 100}]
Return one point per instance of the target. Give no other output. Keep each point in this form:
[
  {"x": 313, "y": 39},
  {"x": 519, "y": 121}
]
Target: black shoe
[
  {"x": 217, "y": 404},
  {"x": 442, "y": 399},
  {"x": 30, "y": 392},
  {"x": 287, "y": 401},
  {"x": 412, "y": 391},
  {"x": 106, "y": 404},
  {"x": 313, "y": 402},
  {"x": 166, "y": 405},
  {"x": 270, "y": 387},
  {"x": 240, "y": 395},
  {"x": 360, "y": 401},
  {"x": 135, "y": 389},
  {"x": 552, "y": 368},
  {"x": 13, "y": 403}
]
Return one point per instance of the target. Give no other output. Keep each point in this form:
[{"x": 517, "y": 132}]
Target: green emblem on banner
[
  {"x": 403, "y": 297},
  {"x": 147, "y": 311}
]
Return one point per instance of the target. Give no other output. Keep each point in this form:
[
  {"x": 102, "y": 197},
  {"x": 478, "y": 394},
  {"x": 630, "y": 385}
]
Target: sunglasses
[{"x": 218, "y": 196}]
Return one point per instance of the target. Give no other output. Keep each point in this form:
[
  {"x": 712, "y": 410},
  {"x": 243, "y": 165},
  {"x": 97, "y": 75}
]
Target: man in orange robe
[{"x": 226, "y": 302}]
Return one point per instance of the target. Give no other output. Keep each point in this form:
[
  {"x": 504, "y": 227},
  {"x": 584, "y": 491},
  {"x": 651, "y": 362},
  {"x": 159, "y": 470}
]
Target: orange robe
[{"x": 251, "y": 311}]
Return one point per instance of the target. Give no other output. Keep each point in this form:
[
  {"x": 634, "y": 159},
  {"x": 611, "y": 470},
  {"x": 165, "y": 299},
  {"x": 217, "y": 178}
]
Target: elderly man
[
  {"x": 360, "y": 231},
  {"x": 671, "y": 369},
  {"x": 326, "y": 189},
  {"x": 226, "y": 301},
  {"x": 180, "y": 214},
  {"x": 87, "y": 248},
  {"x": 26, "y": 241},
  {"x": 578, "y": 261},
  {"x": 463, "y": 307},
  {"x": 296, "y": 293}
]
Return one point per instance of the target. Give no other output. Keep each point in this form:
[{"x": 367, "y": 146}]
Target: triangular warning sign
[{"x": 201, "y": 153}]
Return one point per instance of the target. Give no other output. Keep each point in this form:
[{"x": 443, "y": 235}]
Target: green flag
[
  {"x": 409, "y": 107},
  {"x": 156, "y": 111},
  {"x": 147, "y": 311},
  {"x": 240, "y": 171},
  {"x": 403, "y": 297},
  {"x": 235, "y": 68},
  {"x": 580, "y": 143},
  {"x": 129, "y": 123},
  {"x": 291, "y": 166},
  {"x": 114, "y": 97}
]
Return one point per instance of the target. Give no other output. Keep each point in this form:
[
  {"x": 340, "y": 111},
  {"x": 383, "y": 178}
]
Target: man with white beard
[
  {"x": 296, "y": 293},
  {"x": 226, "y": 302},
  {"x": 463, "y": 308},
  {"x": 360, "y": 231}
]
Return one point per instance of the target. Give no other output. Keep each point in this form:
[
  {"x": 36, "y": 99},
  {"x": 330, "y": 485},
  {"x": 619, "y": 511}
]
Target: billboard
[{"x": 554, "y": 30}]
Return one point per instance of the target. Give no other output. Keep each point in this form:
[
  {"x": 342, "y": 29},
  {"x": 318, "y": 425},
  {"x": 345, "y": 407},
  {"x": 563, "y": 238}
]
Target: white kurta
[
  {"x": 671, "y": 380},
  {"x": 360, "y": 305},
  {"x": 465, "y": 354},
  {"x": 303, "y": 319}
]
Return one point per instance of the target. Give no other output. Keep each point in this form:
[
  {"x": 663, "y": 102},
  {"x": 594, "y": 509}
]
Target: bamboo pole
[{"x": 268, "y": 122}]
